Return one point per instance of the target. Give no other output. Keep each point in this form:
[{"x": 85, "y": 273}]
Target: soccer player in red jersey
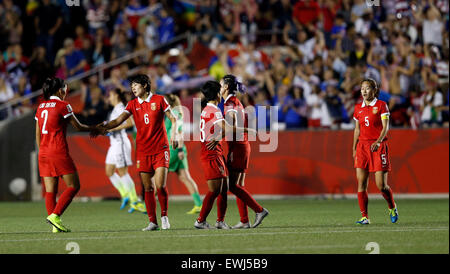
[
  {"x": 238, "y": 145},
  {"x": 152, "y": 145},
  {"x": 370, "y": 150},
  {"x": 213, "y": 127},
  {"x": 52, "y": 117}
]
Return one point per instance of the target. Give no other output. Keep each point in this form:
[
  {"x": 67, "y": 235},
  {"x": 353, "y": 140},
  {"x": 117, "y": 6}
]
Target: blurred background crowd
[{"x": 305, "y": 56}]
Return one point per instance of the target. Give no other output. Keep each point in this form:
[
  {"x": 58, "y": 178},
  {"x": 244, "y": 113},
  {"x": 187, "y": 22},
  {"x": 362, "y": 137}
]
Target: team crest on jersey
[
  {"x": 375, "y": 110},
  {"x": 219, "y": 115},
  {"x": 153, "y": 106}
]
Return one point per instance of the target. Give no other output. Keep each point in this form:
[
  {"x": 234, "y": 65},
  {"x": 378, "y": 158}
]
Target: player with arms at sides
[
  {"x": 370, "y": 150},
  {"x": 52, "y": 117},
  {"x": 178, "y": 157},
  {"x": 119, "y": 154},
  {"x": 152, "y": 145},
  {"x": 238, "y": 145},
  {"x": 212, "y": 128}
]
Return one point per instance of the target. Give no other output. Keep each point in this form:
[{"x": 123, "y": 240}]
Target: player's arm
[
  {"x": 114, "y": 123},
  {"x": 79, "y": 126},
  {"x": 174, "y": 138},
  {"x": 355, "y": 138},
  {"x": 230, "y": 115},
  {"x": 127, "y": 124},
  {"x": 38, "y": 135},
  {"x": 384, "y": 131}
]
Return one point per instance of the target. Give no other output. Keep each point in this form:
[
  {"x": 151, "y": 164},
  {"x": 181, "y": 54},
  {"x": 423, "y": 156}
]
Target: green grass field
[{"x": 293, "y": 226}]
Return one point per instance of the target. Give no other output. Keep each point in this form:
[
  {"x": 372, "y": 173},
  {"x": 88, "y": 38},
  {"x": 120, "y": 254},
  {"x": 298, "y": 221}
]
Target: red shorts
[
  {"x": 149, "y": 163},
  {"x": 372, "y": 161},
  {"x": 214, "y": 168},
  {"x": 55, "y": 165},
  {"x": 238, "y": 157}
]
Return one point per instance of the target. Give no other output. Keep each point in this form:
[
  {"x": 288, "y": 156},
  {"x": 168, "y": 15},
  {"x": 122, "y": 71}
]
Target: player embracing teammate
[
  {"x": 213, "y": 128},
  {"x": 370, "y": 150}
]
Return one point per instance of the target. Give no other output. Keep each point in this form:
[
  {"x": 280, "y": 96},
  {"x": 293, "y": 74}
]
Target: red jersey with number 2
[{"x": 148, "y": 115}]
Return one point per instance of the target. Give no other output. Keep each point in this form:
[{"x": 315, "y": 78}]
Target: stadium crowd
[{"x": 305, "y": 56}]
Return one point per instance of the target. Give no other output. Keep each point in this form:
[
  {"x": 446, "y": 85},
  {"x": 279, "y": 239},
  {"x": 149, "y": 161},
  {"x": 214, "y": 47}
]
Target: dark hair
[
  {"x": 233, "y": 84},
  {"x": 210, "y": 90},
  {"x": 143, "y": 80},
  {"x": 373, "y": 84},
  {"x": 121, "y": 95},
  {"x": 51, "y": 86}
]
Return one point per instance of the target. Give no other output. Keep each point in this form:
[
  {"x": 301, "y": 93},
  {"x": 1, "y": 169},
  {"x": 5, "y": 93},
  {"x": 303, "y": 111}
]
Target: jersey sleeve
[
  {"x": 164, "y": 104},
  {"x": 129, "y": 107},
  {"x": 384, "y": 111},
  {"x": 66, "y": 111},
  {"x": 355, "y": 113}
]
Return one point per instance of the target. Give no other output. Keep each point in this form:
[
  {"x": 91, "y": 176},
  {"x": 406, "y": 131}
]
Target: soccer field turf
[{"x": 293, "y": 226}]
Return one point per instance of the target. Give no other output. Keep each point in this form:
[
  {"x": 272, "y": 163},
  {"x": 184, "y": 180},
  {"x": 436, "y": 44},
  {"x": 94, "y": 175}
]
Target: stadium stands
[{"x": 305, "y": 56}]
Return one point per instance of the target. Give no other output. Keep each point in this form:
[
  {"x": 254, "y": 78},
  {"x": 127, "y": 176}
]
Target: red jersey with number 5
[
  {"x": 211, "y": 115},
  {"x": 52, "y": 119},
  {"x": 148, "y": 115},
  {"x": 369, "y": 119}
]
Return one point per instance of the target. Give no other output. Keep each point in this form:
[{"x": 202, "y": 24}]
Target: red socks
[
  {"x": 243, "y": 211},
  {"x": 243, "y": 194},
  {"x": 150, "y": 205},
  {"x": 50, "y": 202},
  {"x": 222, "y": 205},
  {"x": 389, "y": 197},
  {"x": 363, "y": 201},
  {"x": 64, "y": 200},
  {"x": 208, "y": 202},
  {"x": 163, "y": 198}
]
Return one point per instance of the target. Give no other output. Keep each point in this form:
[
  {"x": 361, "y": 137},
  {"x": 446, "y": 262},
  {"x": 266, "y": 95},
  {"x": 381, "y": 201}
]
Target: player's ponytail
[
  {"x": 373, "y": 84},
  {"x": 51, "y": 86},
  {"x": 233, "y": 84},
  {"x": 210, "y": 91}
]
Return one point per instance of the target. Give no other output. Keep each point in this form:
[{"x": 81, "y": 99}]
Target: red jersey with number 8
[
  {"x": 369, "y": 119},
  {"x": 211, "y": 115},
  {"x": 148, "y": 115}
]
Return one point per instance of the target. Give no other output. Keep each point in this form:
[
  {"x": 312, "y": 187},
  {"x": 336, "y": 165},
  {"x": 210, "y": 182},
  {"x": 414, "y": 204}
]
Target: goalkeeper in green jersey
[{"x": 178, "y": 157}]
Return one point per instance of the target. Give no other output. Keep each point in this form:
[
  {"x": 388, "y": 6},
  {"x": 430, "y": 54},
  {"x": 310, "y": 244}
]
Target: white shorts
[{"x": 119, "y": 155}]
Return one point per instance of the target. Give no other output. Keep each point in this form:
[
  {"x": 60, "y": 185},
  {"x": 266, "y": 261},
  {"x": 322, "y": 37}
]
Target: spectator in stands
[
  {"x": 47, "y": 22},
  {"x": 95, "y": 109},
  {"x": 120, "y": 45},
  {"x": 6, "y": 90},
  {"x": 97, "y": 14},
  {"x": 432, "y": 103},
  {"x": 74, "y": 59},
  {"x": 39, "y": 68}
]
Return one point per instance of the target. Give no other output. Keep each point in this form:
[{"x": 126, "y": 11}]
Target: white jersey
[{"x": 117, "y": 137}]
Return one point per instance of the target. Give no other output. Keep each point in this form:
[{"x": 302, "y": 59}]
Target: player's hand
[
  {"x": 181, "y": 155},
  {"x": 212, "y": 145},
  {"x": 354, "y": 153},
  {"x": 374, "y": 146}
]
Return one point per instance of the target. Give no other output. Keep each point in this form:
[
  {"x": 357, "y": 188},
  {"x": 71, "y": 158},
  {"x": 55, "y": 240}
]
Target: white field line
[{"x": 153, "y": 235}]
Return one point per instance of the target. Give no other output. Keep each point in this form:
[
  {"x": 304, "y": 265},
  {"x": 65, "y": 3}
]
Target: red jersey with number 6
[
  {"x": 148, "y": 115},
  {"x": 369, "y": 119},
  {"x": 52, "y": 119},
  {"x": 211, "y": 115}
]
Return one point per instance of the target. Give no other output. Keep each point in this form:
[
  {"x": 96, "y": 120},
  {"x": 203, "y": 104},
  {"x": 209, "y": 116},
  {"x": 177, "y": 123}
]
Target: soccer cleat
[
  {"x": 165, "y": 222},
  {"x": 195, "y": 210},
  {"x": 222, "y": 225},
  {"x": 54, "y": 230},
  {"x": 55, "y": 221},
  {"x": 151, "y": 226},
  {"x": 202, "y": 225},
  {"x": 139, "y": 206},
  {"x": 259, "y": 217},
  {"x": 124, "y": 202},
  {"x": 241, "y": 225},
  {"x": 393, "y": 213},
  {"x": 363, "y": 221}
]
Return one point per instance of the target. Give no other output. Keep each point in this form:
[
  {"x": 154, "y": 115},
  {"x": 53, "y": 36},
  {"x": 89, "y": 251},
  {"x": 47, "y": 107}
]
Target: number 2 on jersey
[{"x": 44, "y": 113}]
